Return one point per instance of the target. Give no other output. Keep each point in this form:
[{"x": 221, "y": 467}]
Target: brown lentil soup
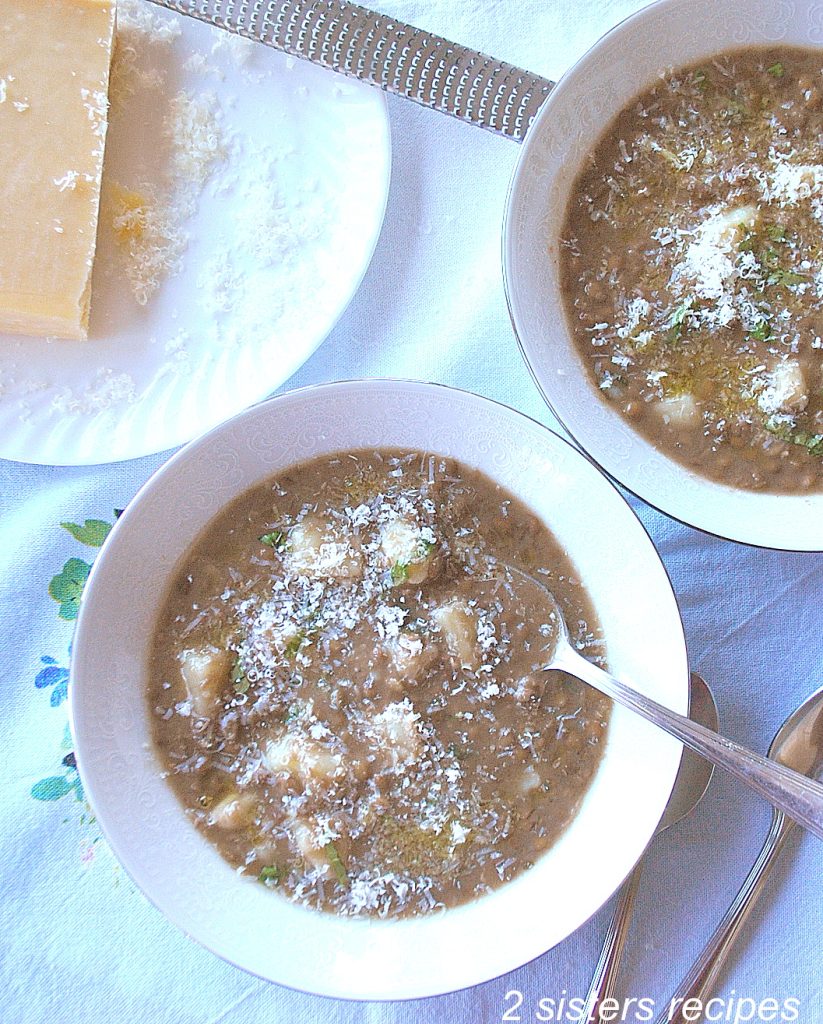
[
  {"x": 346, "y": 686},
  {"x": 692, "y": 267}
]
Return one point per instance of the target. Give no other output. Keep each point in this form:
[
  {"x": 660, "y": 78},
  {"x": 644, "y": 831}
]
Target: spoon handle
[
  {"x": 701, "y": 978},
  {"x": 385, "y": 52},
  {"x": 603, "y": 981},
  {"x": 799, "y": 797}
]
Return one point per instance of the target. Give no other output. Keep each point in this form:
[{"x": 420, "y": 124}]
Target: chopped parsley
[
  {"x": 770, "y": 257},
  {"x": 777, "y": 70},
  {"x": 813, "y": 443},
  {"x": 735, "y": 113},
  {"x": 399, "y": 572},
  {"x": 293, "y": 711},
  {"x": 296, "y": 642},
  {"x": 678, "y": 317},
  {"x": 270, "y": 875},
  {"x": 778, "y": 275},
  {"x": 747, "y": 242},
  {"x": 761, "y": 331},
  {"x": 777, "y": 233},
  {"x": 337, "y": 864},
  {"x": 785, "y": 278},
  {"x": 276, "y": 539},
  {"x": 239, "y": 680}
]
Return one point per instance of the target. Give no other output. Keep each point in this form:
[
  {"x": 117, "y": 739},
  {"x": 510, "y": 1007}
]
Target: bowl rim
[
  {"x": 120, "y": 848},
  {"x": 697, "y": 501}
]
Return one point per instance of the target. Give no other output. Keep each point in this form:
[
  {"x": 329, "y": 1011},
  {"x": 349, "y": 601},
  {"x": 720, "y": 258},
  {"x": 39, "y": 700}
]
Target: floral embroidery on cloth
[{"x": 66, "y": 589}]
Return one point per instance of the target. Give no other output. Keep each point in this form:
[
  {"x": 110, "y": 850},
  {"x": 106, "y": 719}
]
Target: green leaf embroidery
[
  {"x": 93, "y": 531},
  {"x": 52, "y": 788},
  {"x": 67, "y": 743},
  {"x": 67, "y": 587}
]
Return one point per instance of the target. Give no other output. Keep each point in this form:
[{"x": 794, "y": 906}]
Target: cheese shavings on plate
[{"x": 243, "y": 193}]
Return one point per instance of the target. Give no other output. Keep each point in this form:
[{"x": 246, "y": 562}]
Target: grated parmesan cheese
[
  {"x": 783, "y": 389},
  {"x": 789, "y": 183},
  {"x": 146, "y": 227},
  {"x": 193, "y": 128},
  {"x": 108, "y": 388},
  {"x": 149, "y": 221}
]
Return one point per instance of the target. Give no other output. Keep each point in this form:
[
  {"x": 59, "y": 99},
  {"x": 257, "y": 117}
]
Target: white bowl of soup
[
  {"x": 366, "y": 508},
  {"x": 662, "y": 252}
]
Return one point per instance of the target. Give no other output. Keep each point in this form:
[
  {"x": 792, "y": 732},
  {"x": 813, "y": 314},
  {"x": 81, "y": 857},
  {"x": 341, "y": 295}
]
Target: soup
[
  {"x": 347, "y": 690},
  {"x": 692, "y": 268}
]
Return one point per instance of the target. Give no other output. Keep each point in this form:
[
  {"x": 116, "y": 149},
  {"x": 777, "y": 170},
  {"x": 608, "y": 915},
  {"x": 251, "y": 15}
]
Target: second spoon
[{"x": 691, "y": 783}]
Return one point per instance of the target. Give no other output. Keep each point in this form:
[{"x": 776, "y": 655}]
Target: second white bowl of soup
[
  {"x": 663, "y": 263},
  {"x": 329, "y": 703}
]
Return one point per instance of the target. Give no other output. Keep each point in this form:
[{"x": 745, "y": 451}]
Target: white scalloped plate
[
  {"x": 669, "y": 33},
  {"x": 315, "y": 148}
]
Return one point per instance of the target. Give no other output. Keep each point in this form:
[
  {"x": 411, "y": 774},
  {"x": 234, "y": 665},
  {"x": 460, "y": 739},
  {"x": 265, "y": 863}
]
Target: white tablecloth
[{"x": 78, "y": 943}]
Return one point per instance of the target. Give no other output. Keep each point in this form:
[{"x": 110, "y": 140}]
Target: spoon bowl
[
  {"x": 695, "y": 772},
  {"x": 798, "y": 743}
]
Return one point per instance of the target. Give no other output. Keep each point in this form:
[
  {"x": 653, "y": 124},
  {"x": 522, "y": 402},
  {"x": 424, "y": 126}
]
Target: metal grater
[{"x": 385, "y": 52}]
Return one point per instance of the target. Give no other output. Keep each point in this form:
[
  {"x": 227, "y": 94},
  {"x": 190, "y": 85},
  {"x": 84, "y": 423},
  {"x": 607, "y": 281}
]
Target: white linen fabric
[{"x": 79, "y": 943}]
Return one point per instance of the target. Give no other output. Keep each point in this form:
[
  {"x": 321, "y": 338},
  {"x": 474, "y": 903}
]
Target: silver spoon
[
  {"x": 798, "y": 743},
  {"x": 794, "y": 794},
  {"x": 689, "y": 787}
]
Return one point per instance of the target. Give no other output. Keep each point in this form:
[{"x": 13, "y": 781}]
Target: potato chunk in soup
[{"x": 347, "y": 690}]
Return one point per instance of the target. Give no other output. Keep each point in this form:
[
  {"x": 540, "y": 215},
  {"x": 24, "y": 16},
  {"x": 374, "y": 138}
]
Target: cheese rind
[{"x": 54, "y": 74}]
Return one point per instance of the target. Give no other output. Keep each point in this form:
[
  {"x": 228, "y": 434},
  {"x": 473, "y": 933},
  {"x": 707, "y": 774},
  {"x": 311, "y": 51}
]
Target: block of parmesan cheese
[{"x": 54, "y": 74}]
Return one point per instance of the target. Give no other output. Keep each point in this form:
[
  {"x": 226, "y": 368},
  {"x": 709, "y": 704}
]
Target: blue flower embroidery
[{"x": 53, "y": 675}]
